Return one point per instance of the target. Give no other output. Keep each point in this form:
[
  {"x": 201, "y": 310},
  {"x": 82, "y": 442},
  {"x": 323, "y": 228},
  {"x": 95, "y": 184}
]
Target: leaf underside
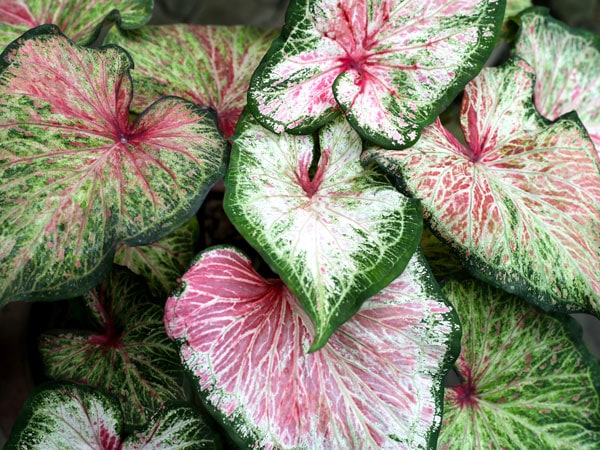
[
  {"x": 567, "y": 80},
  {"x": 336, "y": 238},
  {"x": 209, "y": 65},
  {"x": 528, "y": 381},
  {"x": 389, "y": 65},
  {"x": 79, "y": 19},
  {"x": 78, "y": 177},
  {"x": 129, "y": 356},
  {"x": 375, "y": 384},
  {"x": 519, "y": 202}
]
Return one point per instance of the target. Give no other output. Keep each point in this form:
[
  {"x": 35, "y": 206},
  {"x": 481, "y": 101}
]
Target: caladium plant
[
  {"x": 66, "y": 415},
  {"x": 332, "y": 332}
]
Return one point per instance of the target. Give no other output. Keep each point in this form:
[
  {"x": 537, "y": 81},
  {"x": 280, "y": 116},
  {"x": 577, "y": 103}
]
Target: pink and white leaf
[
  {"x": 527, "y": 380},
  {"x": 78, "y": 177},
  {"x": 335, "y": 237},
  {"x": 217, "y": 76},
  {"x": 518, "y": 202},
  {"x": 389, "y": 65},
  {"x": 375, "y": 384},
  {"x": 66, "y": 415},
  {"x": 567, "y": 80},
  {"x": 162, "y": 262},
  {"x": 78, "y": 19}
]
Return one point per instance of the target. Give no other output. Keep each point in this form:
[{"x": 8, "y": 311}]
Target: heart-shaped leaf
[
  {"x": 527, "y": 380},
  {"x": 129, "y": 356},
  {"x": 391, "y": 65},
  {"x": 59, "y": 416},
  {"x": 162, "y": 262},
  {"x": 519, "y": 202},
  {"x": 79, "y": 19},
  {"x": 376, "y": 384},
  {"x": 78, "y": 177},
  {"x": 335, "y": 236},
  {"x": 217, "y": 75},
  {"x": 567, "y": 80}
]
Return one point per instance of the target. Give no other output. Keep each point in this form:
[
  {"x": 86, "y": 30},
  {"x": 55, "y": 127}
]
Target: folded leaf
[
  {"x": 78, "y": 177},
  {"x": 335, "y": 236},
  {"x": 164, "y": 261},
  {"x": 527, "y": 380},
  {"x": 390, "y": 65},
  {"x": 566, "y": 80},
  {"x": 129, "y": 356},
  {"x": 217, "y": 75},
  {"x": 376, "y": 384},
  {"x": 519, "y": 202},
  {"x": 78, "y": 19}
]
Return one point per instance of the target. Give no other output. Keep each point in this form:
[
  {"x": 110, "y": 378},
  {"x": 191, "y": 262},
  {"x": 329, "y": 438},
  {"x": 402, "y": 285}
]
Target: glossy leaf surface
[
  {"x": 376, "y": 384},
  {"x": 528, "y": 381},
  {"x": 519, "y": 202},
  {"x": 78, "y": 19},
  {"x": 78, "y": 177},
  {"x": 129, "y": 355},
  {"x": 209, "y": 65},
  {"x": 389, "y": 65},
  {"x": 162, "y": 262},
  {"x": 566, "y": 80},
  {"x": 335, "y": 238}
]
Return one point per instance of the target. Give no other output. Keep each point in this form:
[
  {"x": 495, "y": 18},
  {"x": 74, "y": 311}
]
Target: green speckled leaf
[
  {"x": 164, "y": 261},
  {"x": 78, "y": 177},
  {"x": 567, "y": 79},
  {"x": 209, "y": 65},
  {"x": 527, "y": 380},
  {"x": 78, "y": 19},
  {"x": 335, "y": 237},
  {"x": 389, "y": 65},
  {"x": 520, "y": 202},
  {"x": 60, "y": 416},
  {"x": 174, "y": 428},
  {"x": 129, "y": 355}
]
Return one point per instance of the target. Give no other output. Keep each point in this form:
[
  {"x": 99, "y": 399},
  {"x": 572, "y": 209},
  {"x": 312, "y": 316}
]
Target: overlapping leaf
[
  {"x": 519, "y": 202},
  {"x": 209, "y": 65},
  {"x": 130, "y": 356},
  {"x": 335, "y": 237},
  {"x": 390, "y": 65},
  {"x": 527, "y": 380},
  {"x": 376, "y": 384},
  {"x": 162, "y": 262},
  {"x": 78, "y": 177},
  {"x": 566, "y": 80},
  {"x": 59, "y": 416},
  {"x": 78, "y": 19}
]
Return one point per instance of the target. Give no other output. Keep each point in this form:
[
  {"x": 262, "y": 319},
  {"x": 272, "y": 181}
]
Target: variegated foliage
[
  {"x": 162, "y": 262},
  {"x": 336, "y": 233},
  {"x": 566, "y": 80},
  {"x": 389, "y": 65},
  {"x": 375, "y": 384},
  {"x": 59, "y": 416},
  {"x": 520, "y": 201},
  {"x": 527, "y": 380},
  {"x": 128, "y": 353},
  {"x": 78, "y": 177},
  {"x": 209, "y": 65},
  {"x": 79, "y": 19}
]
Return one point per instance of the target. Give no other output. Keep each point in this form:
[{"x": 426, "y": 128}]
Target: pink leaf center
[
  {"x": 308, "y": 184},
  {"x": 466, "y": 393}
]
